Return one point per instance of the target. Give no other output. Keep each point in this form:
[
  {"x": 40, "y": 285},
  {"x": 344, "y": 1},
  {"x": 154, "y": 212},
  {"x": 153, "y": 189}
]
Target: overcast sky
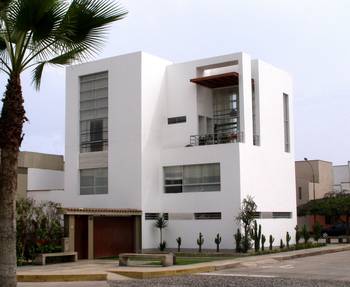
[{"x": 309, "y": 39}]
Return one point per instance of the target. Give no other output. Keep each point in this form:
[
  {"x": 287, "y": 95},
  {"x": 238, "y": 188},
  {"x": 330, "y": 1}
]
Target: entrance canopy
[
  {"x": 102, "y": 211},
  {"x": 217, "y": 81}
]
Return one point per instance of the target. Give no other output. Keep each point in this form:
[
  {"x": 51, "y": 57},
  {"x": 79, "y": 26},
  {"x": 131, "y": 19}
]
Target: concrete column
[
  {"x": 71, "y": 232},
  {"x": 90, "y": 237},
  {"x": 138, "y": 234},
  {"x": 245, "y": 98}
]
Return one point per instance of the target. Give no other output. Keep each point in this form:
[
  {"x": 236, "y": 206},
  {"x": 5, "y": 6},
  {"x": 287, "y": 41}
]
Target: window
[
  {"x": 281, "y": 215},
  {"x": 255, "y": 113},
  {"x": 192, "y": 178},
  {"x": 300, "y": 193},
  {"x": 176, "y": 120},
  {"x": 272, "y": 215},
  {"x": 155, "y": 215},
  {"x": 94, "y": 112},
  {"x": 94, "y": 181},
  {"x": 286, "y": 123},
  {"x": 207, "y": 215}
]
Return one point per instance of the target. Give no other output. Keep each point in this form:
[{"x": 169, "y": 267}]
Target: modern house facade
[{"x": 145, "y": 137}]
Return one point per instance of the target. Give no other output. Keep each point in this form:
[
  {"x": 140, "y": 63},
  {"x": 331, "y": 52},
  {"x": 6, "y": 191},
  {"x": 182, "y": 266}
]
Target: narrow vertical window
[
  {"x": 300, "y": 193},
  {"x": 286, "y": 123},
  {"x": 94, "y": 112},
  {"x": 255, "y": 114}
]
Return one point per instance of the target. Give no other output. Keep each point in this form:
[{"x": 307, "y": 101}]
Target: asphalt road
[{"x": 330, "y": 270}]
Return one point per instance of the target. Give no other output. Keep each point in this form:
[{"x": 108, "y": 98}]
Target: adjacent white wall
[{"x": 45, "y": 179}]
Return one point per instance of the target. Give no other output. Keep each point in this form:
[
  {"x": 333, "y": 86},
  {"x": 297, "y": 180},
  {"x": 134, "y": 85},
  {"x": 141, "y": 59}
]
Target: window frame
[
  {"x": 183, "y": 185},
  {"x": 94, "y": 186}
]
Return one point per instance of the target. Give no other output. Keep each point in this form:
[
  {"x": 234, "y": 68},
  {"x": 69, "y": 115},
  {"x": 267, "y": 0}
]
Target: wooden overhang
[
  {"x": 101, "y": 211},
  {"x": 217, "y": 81}
]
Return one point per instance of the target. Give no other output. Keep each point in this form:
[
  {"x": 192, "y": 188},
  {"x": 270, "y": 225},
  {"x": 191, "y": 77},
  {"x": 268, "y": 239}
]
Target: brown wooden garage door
[{"x": 113, "y": 235}]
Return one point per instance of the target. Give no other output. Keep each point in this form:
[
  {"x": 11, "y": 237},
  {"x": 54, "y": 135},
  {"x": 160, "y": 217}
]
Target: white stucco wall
[{"x": 124, "y": 133}]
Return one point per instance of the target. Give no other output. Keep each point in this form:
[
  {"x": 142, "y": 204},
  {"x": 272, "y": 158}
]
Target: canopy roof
[{"x": 217, "y": 81}]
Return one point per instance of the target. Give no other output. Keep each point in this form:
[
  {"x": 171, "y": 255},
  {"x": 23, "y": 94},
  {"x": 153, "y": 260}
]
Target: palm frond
[
  {"x": 86, "y": 22},
  {"x": 64, "y": 59}
]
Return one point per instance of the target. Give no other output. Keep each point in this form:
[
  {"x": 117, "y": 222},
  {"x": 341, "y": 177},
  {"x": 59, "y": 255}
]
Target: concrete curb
[
  {"x": 151, "y": 272},
  {"x": 61, "y": 277}
]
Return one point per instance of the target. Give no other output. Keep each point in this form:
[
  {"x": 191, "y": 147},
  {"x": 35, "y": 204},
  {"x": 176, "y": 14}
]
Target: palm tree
[
  {"x": 160, "y": 223},
  {"x": 33, "y": 34}
]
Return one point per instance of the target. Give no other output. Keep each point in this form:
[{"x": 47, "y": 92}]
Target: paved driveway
[
  {"x": 330, "y": 270},
  {"x": 335, "y": 266}
]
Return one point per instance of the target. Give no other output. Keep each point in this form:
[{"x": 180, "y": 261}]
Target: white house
[{"x": 190, "y": 140}]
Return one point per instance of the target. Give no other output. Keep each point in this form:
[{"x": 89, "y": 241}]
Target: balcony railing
[{"x": 216, "y": 138}]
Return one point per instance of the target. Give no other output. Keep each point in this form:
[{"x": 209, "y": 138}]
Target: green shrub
[
  {"x": 263, "y": 240},
  {"x": 200, "y": 242},
  {"x": 271, "y": 240},
  {"x": 256, "y": 236},
  {"x": 305, "y": 233},
  {"x": 281, "y": 244},
  {"x": 178, "y": 240},
  {"x": 238, "y": 239},
  {"x": 162, "y": 245},
  {"x": 317, "y": 230},
  {"x": 217, "y": 242},
  {"x": 39, "y": 228},
  {"x": 297, "y": 234},
  {"x": 288, "y": 238}
]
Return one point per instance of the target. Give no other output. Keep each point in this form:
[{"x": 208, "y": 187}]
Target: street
[{"x": 321, "y": 271}]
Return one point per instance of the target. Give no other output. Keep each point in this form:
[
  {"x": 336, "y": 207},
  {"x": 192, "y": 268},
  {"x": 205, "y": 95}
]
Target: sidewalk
[
  {"x": 102, "y": 270},
  {"x": 82, "y": 270}
]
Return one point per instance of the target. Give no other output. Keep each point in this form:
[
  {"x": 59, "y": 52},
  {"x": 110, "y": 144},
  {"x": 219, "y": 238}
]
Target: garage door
[{"x": 113, "y": 235}]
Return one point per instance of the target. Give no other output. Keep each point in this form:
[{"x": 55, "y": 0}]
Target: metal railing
[{"x": 216, "y": 138}]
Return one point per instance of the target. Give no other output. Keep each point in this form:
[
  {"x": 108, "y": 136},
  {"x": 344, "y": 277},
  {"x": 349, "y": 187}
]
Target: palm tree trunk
[{"x": 11, "y": 123}]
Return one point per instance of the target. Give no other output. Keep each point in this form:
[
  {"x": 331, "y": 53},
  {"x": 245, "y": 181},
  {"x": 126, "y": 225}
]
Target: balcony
[{"x": 216, "y": 138}]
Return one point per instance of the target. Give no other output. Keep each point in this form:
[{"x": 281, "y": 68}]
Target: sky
[{"x": 309, "y": 39}]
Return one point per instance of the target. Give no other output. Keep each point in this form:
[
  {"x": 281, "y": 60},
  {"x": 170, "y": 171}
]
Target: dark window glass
[
  {"x": 207, "y": 215},
  {"x": 176, "y": 120}
]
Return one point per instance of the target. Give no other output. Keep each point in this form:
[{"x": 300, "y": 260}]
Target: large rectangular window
[
  {"x": 286, "y": 123},
  {"x": 94, "y": 112},
  {"x": 192, "y": 178},
  {"x": 94, "y": 181}
]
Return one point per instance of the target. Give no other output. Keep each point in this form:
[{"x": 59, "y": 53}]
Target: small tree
[
  {"x": 217, "y": 242},
  {"x": 247, "y": 215},
  {"x": 161, "y": 223},
  {"x": 317, "y": 230},
  {"x": 200, "y": 241},
  {"x": 263, "y": 240},
  {"x": 297, "y": 235},
  {"x": 271, "y": 240},
  {"x": 256, "y": 236},
  {"x": 178, "y": 240},
  {"x": 238, "y": 239},
  {"x": 39, "y": 228},
  {"x": 305, "y": 233},
  {"x": 281, "y": 244},
  {"x": 288, "y": 238}
]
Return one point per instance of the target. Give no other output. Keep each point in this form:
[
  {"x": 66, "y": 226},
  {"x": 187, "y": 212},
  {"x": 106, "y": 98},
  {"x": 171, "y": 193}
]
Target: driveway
[{"x": 329, "y": 270}]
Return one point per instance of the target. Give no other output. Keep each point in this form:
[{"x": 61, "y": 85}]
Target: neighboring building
[
  {"x": 341, "y": 175},
  {"x": 323, "y": 174},
  {"x": 190, "y": 140},
  {"x": 39, "y": 174}
]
